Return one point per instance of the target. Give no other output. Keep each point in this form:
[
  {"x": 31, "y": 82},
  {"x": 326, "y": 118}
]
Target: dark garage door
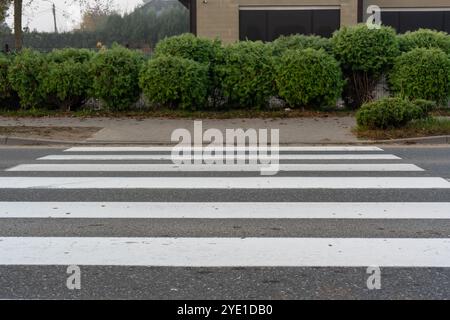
[
  {"x": 404, "y": 21},
  {"x": 267, "y": 25}
]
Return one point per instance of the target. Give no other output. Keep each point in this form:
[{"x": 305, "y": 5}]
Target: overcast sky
[{"x": 39, "y": 15}]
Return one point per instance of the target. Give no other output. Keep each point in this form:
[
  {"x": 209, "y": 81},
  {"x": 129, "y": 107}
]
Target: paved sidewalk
[{"x": 158, "y": 131}]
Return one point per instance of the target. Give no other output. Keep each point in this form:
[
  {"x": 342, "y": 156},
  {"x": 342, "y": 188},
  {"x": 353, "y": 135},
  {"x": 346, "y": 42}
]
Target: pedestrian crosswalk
[{"x": 315, "y": 170}]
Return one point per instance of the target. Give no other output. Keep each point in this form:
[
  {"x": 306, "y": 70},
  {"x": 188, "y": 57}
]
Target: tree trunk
[{"x": 18, "y": 24}]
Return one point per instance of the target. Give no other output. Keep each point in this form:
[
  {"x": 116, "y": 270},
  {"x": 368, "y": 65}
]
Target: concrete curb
[
  {"x": 17, "y": 141},
  {"x": 419, "y": 140}
]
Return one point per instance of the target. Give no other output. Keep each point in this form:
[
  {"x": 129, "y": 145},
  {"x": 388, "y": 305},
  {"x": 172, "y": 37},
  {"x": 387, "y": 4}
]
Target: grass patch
[
  {"x": 176, "y": 114},
  {"x": 420, "y": 128},
  {"x": 442, "y": 112}
]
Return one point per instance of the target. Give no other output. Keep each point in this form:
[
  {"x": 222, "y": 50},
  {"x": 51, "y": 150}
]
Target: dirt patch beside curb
[{"x": 56, "y": 133}]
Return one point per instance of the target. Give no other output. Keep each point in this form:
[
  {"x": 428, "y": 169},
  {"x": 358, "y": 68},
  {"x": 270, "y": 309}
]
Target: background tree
[
  {"x": 141, "y": 29},
  {"x": 93, "y": 8},
  {"x": 95, "y": 14},
  {"x": 4, "y": 6}
]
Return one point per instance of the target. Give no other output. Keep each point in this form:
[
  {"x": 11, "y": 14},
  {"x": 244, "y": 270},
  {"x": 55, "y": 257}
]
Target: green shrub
[
  {"x": 76, "y": 55},
  {"x": 362, "y": 49},
  {"x": 247, "y": 74},
  {"x": 309, "y": 77},
  {"x": 115, "y": 75},
  {"x": 365, "y": 54},
  {"x": 189, "y": 46},
  {"x": 202, "y": 50},
  {"x": 388, "y": 113},
  {"x": 25, "y": 76},
  {"x": 68, "y": 83},
  {"x": 425, "y": 38},
  {"x": 425, "y": 107},
  {"x": 300, "y": 42},
  {"x": 175, "y": 82},
  {"x": 422, "y": 74},
  {"x": 8, "y": 97},
  {"x": 66, "y": 78},
  {"x": 5, "y": 86}
]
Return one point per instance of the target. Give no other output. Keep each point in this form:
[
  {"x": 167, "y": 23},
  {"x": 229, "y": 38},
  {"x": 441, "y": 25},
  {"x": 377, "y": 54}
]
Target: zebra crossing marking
[
  {"x": 223, "y": 183},
  {"x": 108, "y": 167},
  {"x": 225, "y": 252},
  {"x": 226, "y": 210},
  {"x": 168, "y": 157},
  {"x": 248, "y": 148}
]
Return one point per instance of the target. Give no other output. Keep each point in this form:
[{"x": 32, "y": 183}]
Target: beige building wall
[{"x": 220, "y": 18}]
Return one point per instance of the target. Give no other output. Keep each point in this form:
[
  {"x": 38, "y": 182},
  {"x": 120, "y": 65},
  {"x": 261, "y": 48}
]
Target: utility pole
[{"x": 54, "y": 18}]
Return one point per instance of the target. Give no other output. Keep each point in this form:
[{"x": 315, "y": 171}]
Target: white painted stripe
[
  {"x": 226, "y": 210},
  {"x": 96, "y": 167},
  {"x": 168, "y": 157},
  {"x": 226, "y": 252},
  {"x": 222, "y": 183},
  {"x": 200, "y": 149}
]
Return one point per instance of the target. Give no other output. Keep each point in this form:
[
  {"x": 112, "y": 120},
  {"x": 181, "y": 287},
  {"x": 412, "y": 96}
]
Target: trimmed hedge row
[
  {"x": 194, "y": 73},
  {"x": 314, "y": 71},
  {"x": 185, "y": 72},
  {"x": 67, "y": 78}
]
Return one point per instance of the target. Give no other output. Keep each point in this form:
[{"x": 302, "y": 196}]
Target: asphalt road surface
[{"x": 139, "y": 227}]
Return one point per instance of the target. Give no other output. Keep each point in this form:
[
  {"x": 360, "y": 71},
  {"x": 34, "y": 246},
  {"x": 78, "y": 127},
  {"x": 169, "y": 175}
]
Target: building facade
[{"x": 231, "y": 20}]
